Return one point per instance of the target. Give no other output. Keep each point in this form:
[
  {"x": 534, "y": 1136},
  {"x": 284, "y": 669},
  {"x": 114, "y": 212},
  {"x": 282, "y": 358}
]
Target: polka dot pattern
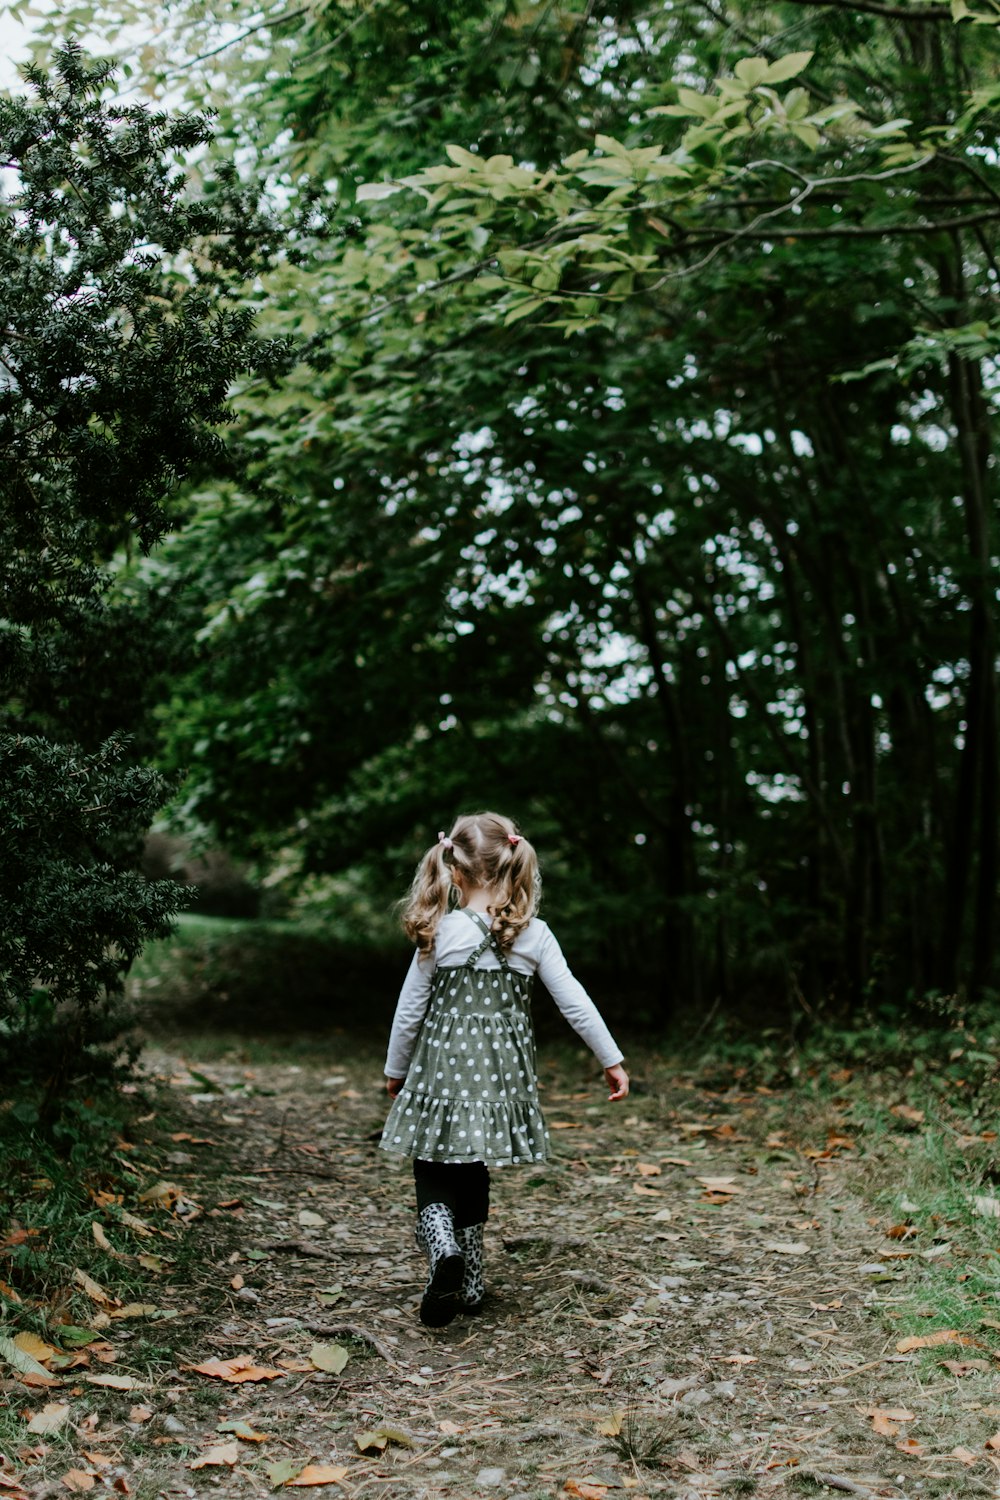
[{"x": 471, "y": 1092}]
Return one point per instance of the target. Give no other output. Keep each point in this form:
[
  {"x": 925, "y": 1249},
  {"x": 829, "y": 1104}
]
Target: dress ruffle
[{"x": 471, "y": 1090}]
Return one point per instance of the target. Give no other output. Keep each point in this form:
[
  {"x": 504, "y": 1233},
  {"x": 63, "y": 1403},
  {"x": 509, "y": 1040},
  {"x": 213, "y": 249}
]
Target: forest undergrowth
[{"x": 767, "y": 1273}]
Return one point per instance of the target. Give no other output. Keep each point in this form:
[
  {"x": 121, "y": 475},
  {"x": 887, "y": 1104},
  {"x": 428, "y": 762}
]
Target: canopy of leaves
[
  {"x": 638, "y": 474},
  {"x": 121, "y": 339}
]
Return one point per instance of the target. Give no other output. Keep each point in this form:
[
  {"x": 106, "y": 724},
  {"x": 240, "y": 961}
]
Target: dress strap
[{"x": 489, "y": 941}]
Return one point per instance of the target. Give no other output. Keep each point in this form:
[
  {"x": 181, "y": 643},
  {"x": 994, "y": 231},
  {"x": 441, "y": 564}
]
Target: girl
[{"x": 461, "y": 1061}]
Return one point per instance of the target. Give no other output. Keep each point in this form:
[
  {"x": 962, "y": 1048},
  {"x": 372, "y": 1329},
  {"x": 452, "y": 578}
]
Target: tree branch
[{"x": 898, "y": 12}]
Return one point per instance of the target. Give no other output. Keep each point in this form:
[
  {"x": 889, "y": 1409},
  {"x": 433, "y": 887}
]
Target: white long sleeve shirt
[{"x": 534, "y": 951}]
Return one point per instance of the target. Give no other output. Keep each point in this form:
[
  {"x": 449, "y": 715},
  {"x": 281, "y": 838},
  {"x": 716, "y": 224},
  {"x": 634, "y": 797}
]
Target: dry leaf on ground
[
  {"x": 911, "y": 1445},
  {"x": 51, "y": 1417},
  {"x": 908, "y": 1113},
  {"x": 379, "y": 1437},
  {"x": 885, "y": 1420},
  {"x": 222, "y": 1455},
  {"x": 241, "y": 1367},
  {"x": 243, "y": 1430},
  {"x": 78, "y": 1479},
  {"x": 329, "y": 1357},
  {"x": 94, "y": 1292},
  {"x": 25, "y": 1365},
  {"x": 318, "y": 1474},
  {"x": 931, "y": 1340}
]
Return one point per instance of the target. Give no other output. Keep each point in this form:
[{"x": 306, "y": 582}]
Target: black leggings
[{"x": 464, "y": 1187}]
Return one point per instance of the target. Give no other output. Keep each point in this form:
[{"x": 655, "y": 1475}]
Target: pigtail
[
  {"x": 428, "y": 899},
  {"x": 519, "y": 879}
]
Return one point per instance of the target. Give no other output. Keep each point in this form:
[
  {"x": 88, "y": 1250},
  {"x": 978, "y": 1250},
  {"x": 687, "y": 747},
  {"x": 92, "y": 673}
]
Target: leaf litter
[{"x": 716, "y": 1331}]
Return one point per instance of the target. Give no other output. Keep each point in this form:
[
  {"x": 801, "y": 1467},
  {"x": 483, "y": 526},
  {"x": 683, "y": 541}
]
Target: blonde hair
[{"x": 487, "y": 850}]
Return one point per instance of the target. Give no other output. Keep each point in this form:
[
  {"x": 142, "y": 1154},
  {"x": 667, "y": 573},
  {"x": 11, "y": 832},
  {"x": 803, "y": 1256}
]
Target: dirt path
[{"x": 681, "y": 1304}]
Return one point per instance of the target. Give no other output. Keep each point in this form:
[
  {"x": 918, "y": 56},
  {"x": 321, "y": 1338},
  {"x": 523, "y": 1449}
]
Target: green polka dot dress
[{"x": 471, "y": 1090}]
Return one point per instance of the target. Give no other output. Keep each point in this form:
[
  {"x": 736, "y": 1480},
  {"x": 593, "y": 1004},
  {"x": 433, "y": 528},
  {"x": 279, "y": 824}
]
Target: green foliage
[
  {"x": 636, "y": 481},
  {"x": 121, "y": 342}
]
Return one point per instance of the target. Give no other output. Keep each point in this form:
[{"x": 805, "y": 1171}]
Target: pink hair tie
[
  {"x": 513, "y": 838},
  {"x": 445, "y": 840}
]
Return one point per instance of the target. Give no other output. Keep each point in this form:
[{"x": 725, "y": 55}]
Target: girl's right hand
[
  {"x": 617, "y": 1081},
  {"x": 393, "y": 1086}
]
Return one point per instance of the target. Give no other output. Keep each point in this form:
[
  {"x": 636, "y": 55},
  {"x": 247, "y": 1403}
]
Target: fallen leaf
[
  {"x": 140, "y": 1413},
  {"x": 611, "y": 1426},
  {"x": 235, "y": 1370},
  {"x": 222, "y": 1455},
  {"x": 450, "y": 1429},
  {"x": 993, "y": 1442},
  {"x": 719, "y": 1184},
  {"x": 647, "y": 1169},
  {"x": 243, "y": 1430},
  {"x": 739, "y": 1359},
  {"x": 117, "y": 1382},
  {"x": 886, "y": 1420},
  {"x": 237, "y": 1282},
  {"x": 150, "y": 1262},
  {"x": 26, "y": 1366},
  {"x": 318, "y": 1474},
  {"x": 907, "y": 1112},
  {"x": 51, "y": 1417},
  {"x": 584, "y": 1490},
  {"x": 964, "y": 1456},
  {"x": 135, "y": 1310},
  {"x": 986, "y": 1208},
  {"x": 99, "y": 1460},
  {"x": 94, "y": 1292},
  {"x": 785, "y": 1247},
  {"x": 311, "y": 1220},
  {"x": 962, "y": 1367},
  {"x": 137, "y": 1225},
  {"x": 329, "y": 1357},
  {"x": 284, "y": 1470},
  {"x": 910, "y": 1445},
  {"x": 647, "y": 1192},
  {"x": 76, "y": 1338},
  {"x": 78, "y": 1479},
  {"x": 565, "y": 1125},
  {"x": 377, "y": 1440},
  {"x": 31, "y": 1344},
  {"x": 931, "y": 1340},
  {"x": 900, "y": 1232}
]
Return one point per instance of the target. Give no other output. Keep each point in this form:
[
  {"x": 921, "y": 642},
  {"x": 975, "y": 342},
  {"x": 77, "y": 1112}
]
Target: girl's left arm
[
  {"x": 581, "y": 1012},
  {"x": 411, "y": 1007}
]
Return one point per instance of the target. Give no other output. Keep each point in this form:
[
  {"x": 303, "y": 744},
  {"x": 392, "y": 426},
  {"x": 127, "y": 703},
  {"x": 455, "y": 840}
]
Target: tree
[
  {"x": 647, "y": 418},
  {"x": 121, "y": 340}
]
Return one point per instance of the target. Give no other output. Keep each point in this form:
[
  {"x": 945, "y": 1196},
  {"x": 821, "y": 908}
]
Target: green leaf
[
  {"x": 285, "y": 1469},
  {"x": 329, "y": 1357},
  {"x": 752, "y": 70},
  {"x": 463, "y": 158},
  {"x": 368, "y": 192},
  {"x": 786, "y": 67}
]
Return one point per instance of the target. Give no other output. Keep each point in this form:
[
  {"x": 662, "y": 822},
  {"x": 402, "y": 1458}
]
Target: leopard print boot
[
  {"x": 435, "y": 1235},
  {"x": 473, "y": 1290}
]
